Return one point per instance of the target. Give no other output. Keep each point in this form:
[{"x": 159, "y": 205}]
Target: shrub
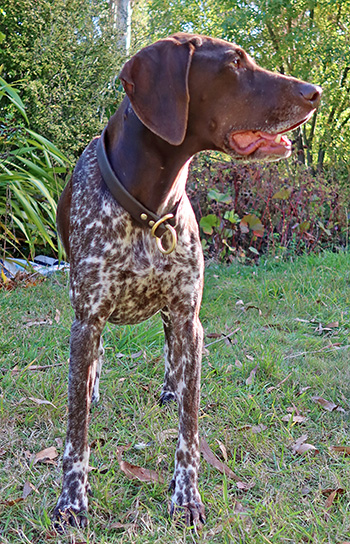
[
  {"x": 246, "y": 210},
  {"x": 32, "y": 170}
]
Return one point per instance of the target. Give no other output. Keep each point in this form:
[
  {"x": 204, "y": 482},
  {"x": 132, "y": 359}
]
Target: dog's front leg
[
  {"x": 84, "y": 355},
  {"x": 187, "y": 341}
]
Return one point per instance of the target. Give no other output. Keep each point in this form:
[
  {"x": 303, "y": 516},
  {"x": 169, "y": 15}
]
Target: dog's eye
[{"x": 236, "y": 61}]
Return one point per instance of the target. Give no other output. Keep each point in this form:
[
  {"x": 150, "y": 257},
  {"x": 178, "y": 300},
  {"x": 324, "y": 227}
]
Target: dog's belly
[{"x": 136, "y": 302}]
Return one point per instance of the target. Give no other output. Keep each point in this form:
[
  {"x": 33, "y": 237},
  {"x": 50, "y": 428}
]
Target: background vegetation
[{"x": 63, "y": 58}]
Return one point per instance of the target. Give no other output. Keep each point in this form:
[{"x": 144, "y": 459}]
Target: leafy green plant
[
  {"x": 31, "y": 177},
  {"x": 244, "y": 211}
]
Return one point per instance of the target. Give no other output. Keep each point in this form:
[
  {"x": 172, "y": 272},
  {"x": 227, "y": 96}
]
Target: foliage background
[{"x": 63, "y": 57}]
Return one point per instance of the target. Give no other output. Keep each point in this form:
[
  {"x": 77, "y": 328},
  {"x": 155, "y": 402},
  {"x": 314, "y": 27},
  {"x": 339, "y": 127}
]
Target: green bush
[
  {"x": 246, "y": 210},
  {"x": 32, "y": 173}
]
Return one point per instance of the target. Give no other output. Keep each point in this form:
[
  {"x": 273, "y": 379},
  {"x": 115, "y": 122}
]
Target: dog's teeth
[{"x": 278, "y": 138}]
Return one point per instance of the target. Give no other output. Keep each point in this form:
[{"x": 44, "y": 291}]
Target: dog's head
[{"x": 212, "y": 94}]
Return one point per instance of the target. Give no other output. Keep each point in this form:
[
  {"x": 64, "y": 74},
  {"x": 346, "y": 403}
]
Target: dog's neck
[{"x": 151, "y": 169}]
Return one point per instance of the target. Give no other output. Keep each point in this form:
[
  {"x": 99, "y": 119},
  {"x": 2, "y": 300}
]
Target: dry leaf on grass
[
  {"x": 332, "y": 495},
  {"x": 250, "y": 379},
  {"x": 46, "y": 456},
  {"x": 223, "y": 450},
  {"x": 341, "y": 449},
  {"x": 269, "y": 389},
  {"x": 118, "y": 525},
  {"x": 27, "y": 489},
  {"x": 136, "y": 355},
  {"x": 245, "y": 486},
  {"x": 300, "y": 446},
  {"x": 258, "y": 428},
  {"x": 38, "y": 322},
  {"x": 167, "y": 434},
  {"x": 137, "y": 473},
  {"x": 327, "y": 404},
  {"x": 12, "y": 502},
  {"x": 302, "y": 390},
  {"x": 40, "y": 401},
  {"x": 211, "y": 458},
  {"x": 295, "y": 419}
]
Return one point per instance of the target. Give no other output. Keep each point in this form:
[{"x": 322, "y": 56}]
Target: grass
[{"x": 281, "y": 311}]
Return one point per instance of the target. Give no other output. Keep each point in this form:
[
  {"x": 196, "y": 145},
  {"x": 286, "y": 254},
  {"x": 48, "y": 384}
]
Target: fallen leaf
[
  {"x": 34, "y": 323},
  {"x": 238, "y": 363},
  {"x": 46, "y": 456},
  {"x": 333, "y": 325},
  {"x": 28, "y": 488},
  {"x": 167, "y": 434},
  {"x": 300, "y": 446},
  {"x": 252, "y": 306},
  {"x": 136, "y": 355},
  {"x": 243, "y": 486},
  {"x": 250, "y": 379},
  {"x": 326, "y": 404},
  {"x": 40, "y": 401},
  {"x": 302, "y": 390},
  {"x": 143, "y": 445},
  {"x": 12, "y": 502},
  {"x": 258, "y": 428},
  {"x": 214, "y": 335},
  {"x": 295, "y": 419},
  {"x": 305, "y": 490},
  {"x": 118, "y": 525},
  {"x": 341, "y": 449},
  {"x": 223, "y": 450},
  {"x": 57, "y": 316},
  {"x": 332, "y": 494},
  {"x": 59, "y": 442},
  {"x": 269, "y": 389},
  {"x": 211, "y": 458},
  {"x": 135, "y": 472}
]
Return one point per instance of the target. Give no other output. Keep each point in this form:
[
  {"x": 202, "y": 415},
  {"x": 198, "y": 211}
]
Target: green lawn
[{"x": 292, "y": 323}]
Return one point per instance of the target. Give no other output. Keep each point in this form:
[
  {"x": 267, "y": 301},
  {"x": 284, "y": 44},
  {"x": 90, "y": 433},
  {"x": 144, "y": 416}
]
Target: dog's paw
[
  {"x": 188, "y": 515},
  {"x": 68, "y": 512},
  {"x": 166, "y": 397},
  {"x": 191, "y": 514},
  {"x": 62, "y": 518}
]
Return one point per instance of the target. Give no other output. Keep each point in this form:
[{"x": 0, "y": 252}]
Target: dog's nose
[{"x": 311, "y": 94}]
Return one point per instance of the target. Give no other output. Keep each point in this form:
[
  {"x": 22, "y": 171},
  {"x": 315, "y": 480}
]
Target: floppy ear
[{"x": 156, "y": 82}]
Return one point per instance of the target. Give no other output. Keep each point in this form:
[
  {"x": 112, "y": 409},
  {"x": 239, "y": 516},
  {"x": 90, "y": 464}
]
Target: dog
[{"x": 131, "y": 236}]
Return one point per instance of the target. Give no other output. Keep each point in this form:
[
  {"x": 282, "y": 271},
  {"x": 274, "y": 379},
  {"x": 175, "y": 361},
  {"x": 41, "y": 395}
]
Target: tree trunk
[{"x": 121, "y": 11}]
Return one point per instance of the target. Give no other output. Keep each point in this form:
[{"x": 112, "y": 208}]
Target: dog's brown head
[{"x": 211, "y": 93}]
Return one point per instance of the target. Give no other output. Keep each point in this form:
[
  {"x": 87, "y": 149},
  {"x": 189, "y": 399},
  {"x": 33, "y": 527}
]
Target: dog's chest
[{"x": 116, "y": 268}]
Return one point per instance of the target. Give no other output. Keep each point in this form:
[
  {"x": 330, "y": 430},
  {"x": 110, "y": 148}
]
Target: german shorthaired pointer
[{"x": 133, "y": 242}]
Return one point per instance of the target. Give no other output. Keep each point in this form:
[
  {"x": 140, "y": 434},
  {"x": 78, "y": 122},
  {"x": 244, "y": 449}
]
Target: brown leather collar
[{"x": 138, "y": 211}]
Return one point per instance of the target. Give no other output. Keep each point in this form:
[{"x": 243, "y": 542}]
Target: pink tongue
[{"x": 244, "y": 139}]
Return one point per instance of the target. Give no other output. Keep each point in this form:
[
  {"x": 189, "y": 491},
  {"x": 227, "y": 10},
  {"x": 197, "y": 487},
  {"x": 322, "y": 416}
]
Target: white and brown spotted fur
[{"x": 184, "y": 94}]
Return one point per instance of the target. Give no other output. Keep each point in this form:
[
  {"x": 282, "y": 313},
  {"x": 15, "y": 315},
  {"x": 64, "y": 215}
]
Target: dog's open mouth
[
  {"x": 256, "y": 143},
  {"x": 246, "y": 143}
]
